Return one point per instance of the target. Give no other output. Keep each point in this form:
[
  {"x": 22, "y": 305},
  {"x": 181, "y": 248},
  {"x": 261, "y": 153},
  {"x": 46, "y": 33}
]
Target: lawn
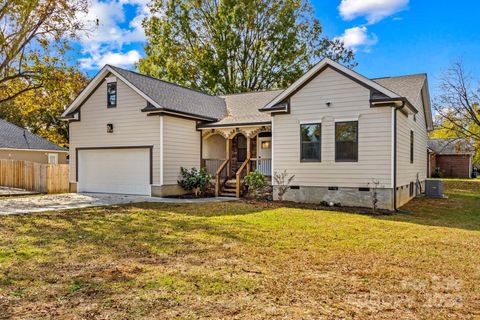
[{"x": 244, "y": 260}]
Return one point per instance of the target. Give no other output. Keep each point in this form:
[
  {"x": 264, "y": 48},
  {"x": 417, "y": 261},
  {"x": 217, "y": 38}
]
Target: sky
[{"x": 389, "y": 37}]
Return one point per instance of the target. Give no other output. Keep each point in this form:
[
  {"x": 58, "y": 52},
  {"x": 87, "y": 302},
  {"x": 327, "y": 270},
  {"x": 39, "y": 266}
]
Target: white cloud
[
  {"x": 111, "y": 32},
  {"x": 97, "y": 61},
  {"x": 372, "y": 10},
  {"x": 358, "y": 37}
]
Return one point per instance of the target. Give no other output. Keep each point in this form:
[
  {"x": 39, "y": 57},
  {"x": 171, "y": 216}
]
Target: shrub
[
  {"x": 283, "y": 181},
  {"x": 255, "y": 181},
  {"x": 196, "y": 180}
]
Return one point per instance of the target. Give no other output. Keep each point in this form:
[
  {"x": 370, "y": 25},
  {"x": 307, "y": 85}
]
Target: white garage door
[{"x": 114, "y": 171}]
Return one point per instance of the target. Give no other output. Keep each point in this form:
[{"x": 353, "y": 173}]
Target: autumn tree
[
  {"x": 230, "y": 46},
  {"x": 34, "y": 36},
  {"x": 39, "y": 109}
]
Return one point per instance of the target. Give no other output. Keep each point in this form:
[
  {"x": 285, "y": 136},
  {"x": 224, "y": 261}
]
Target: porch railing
[
  {"x": 221, "y": 176},
  {"x": 212, "y": 166},
  {"x": 239, "y": 175},
  {"x": 264, "y": 165}
]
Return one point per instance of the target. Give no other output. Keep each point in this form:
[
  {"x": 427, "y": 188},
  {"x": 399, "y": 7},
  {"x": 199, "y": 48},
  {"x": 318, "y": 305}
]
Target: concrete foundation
[
  {"x": 168, "y": 190},
  {"x": 348, "y": 197}
]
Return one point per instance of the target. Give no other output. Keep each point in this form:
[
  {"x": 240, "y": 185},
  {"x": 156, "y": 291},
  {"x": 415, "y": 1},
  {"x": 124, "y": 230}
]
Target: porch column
[
  {"x": 228, "y": 154},
  {"x": 249, "y": 147}
]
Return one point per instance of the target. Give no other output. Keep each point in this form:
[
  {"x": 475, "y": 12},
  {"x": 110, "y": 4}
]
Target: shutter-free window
[
  {"x": 111, "y": 94},
  {"x": 52, "y": 158},
  {"x": 346, "y": 141},
  {"x": 310, "y": 142},
  {"x": 412, "y": 145}
]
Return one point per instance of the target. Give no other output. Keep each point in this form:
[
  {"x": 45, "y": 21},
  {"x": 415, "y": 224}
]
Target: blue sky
[{"x": 390, "y": 37}]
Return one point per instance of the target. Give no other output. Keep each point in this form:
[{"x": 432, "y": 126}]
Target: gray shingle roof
[
  {"x": 174, "y": 97},
  {"x": 408, "y": 86},
  {"x": 450, "y": 146},
  {"x": 243, "y": 108},
  {"x": 14, "y": 137}
]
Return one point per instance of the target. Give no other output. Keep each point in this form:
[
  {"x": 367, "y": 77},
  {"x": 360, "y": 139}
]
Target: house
[
  {"x": 19, "y": 144},
  {"x": 450, "y": 158},
  {"x": 334, "y": 129}
]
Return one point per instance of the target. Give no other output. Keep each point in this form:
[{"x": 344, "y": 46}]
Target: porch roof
[{"x": 243, "y": 109}]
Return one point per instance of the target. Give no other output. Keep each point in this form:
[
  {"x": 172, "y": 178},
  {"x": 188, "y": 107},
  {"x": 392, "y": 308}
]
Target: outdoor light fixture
[
  {"x": 109, "y": 127},
  {"x": 328, "y": 104}
]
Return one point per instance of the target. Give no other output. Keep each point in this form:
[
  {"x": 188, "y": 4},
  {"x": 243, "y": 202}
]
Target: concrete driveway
[{"x": 83, "y": 200}]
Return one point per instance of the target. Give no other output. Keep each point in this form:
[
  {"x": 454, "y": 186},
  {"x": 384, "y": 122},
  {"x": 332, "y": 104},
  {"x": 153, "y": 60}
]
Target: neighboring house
[
  {"x": 19, "y": 144},
  {"x": 334, "y": 129},
  {"x": 452, "y": 158}
]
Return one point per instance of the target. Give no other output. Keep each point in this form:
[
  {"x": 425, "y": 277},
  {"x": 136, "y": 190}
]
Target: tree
[
  {"x": 458, "y": 107},
  {"x": 39, "y": 109},
  {"x": 34, "y": 36},
  {"x": 229, "y": 46}
]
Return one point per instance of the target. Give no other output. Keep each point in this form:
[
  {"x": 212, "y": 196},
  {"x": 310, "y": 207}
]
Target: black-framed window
[
  {"x": 310, "y": 142},
  {"x": 412, "y": 145},
  {"x": 346, "y": 141},
  {"x": 111, "y": 94}
]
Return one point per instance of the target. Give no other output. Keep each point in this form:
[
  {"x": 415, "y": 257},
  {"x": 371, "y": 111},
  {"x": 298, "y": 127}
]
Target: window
[
  {"x": 52, "y": 158},
  {"x": 410, "y": 191},
  {"x": 310, "y": 139},
  {"x": 412, "y": 140},
  {"x": 346, "y": 141},
  {"x": 111, "y": 94}
]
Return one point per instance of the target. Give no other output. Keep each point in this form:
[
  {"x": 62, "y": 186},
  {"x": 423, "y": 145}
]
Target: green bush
[
  {"x": 196, "y": 180},
  {"x": 255, "y": 181}
]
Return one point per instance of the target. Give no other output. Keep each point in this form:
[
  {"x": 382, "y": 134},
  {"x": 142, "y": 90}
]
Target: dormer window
[{"x": 111, "y": 94}]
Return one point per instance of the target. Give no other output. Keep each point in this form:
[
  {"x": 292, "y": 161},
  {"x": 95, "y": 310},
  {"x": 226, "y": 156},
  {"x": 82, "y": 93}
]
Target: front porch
[{"x": 229, "y": 154}]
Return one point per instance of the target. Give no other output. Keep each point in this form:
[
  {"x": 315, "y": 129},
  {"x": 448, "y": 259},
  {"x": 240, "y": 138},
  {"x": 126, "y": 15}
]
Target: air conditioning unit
[{"x": 434, "y": 188}]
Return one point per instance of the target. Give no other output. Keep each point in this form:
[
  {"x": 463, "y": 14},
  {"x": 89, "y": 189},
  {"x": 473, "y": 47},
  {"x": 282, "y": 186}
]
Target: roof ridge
[
  {"x": 400, "y": 76},
  {"x": 164, "y": 81},
  {"x": 249, "y": 92}
]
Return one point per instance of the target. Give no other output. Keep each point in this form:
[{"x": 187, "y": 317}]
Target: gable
[{"x": 375, "y": 89}]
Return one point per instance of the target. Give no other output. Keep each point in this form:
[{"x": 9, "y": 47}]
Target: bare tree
[{"x": 458, "y": 104}]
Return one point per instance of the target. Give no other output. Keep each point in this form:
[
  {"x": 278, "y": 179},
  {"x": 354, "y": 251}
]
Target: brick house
[{"x": 451, "y": 157}]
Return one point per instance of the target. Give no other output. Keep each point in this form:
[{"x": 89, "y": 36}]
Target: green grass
[{"x": 244, "y": 260}]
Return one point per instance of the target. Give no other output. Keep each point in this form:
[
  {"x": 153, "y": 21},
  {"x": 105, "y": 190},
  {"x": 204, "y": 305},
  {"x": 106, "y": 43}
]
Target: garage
[{"x": 114, "y": 170}]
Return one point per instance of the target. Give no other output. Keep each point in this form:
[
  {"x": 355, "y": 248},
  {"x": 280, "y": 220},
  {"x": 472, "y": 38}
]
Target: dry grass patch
[{"x": 244, "y": 260}]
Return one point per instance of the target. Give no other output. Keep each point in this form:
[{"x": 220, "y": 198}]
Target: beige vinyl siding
[
  {"x": 406, "y": 171},
  {"x": 39, "y": 156},
  {"x": 131, "y": 126},
  {"x": 181, "y": 147},
  {"x": 349, "y": 100}
]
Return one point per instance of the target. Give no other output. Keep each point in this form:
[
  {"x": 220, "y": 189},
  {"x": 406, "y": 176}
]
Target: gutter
[{"x": 396, "y": 108}]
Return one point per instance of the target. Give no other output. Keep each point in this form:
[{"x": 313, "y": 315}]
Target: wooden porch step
[{"x": 228, "y": 194}]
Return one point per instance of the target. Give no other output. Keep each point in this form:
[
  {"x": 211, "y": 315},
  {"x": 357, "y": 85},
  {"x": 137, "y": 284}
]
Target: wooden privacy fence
[{"x": 31, "y": 176}]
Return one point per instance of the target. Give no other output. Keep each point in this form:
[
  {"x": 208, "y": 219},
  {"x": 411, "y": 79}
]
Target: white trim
[
  {"x": 111, "y": 79},
  {"x": 273, "y": 154},
  {"x": 319, "y": 66},
  {"x": 392, "y": 149},
  {"x": 36, "y": 150},
  {"x": 345, "y": 119},
  {"x": 54, "y": 158},
  {"x": 313, "y": 121},
  {"x": 161, "y": 150}
]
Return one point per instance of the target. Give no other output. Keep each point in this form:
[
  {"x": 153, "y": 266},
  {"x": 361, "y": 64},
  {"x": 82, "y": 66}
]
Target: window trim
[
  {"x": 53, "y": 156},
  {"x": 335, "y": 141},
  {"x": 116, "y": 95},
  {"x": 412, "y": 146},
  {"x": 319, "y": 142}
]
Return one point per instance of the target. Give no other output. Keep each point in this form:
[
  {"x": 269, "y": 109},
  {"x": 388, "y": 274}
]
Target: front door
[
  {"x": 241, "y": 149},
  {"x": 264, "y": 152}
]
